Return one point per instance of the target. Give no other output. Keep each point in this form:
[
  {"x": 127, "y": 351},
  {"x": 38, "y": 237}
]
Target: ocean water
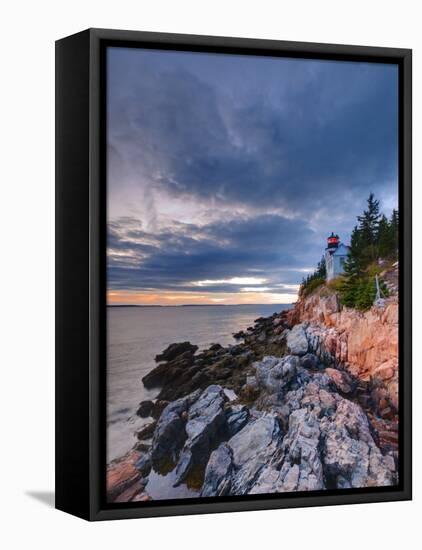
[{"x": 135, "y": 335}]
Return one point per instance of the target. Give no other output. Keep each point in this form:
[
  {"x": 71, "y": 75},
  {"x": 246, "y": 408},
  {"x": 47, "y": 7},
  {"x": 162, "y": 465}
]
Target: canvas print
[{"x": 252, "y": 276}]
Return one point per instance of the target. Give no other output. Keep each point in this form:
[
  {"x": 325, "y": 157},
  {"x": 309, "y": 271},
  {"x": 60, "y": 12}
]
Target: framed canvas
[{"x": 233, "y": 274}]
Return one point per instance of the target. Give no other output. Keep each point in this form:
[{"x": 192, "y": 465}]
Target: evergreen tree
[
  {"x": 353, "y": 269},
  {"x": 394, "y": 223},
  {"x": 374, "y": 237},
  {"x": 368, "y": 229},
  {"x": 321, "y": 271},
  {"x": 315, "y": 279},
  {"x": 355, "y": 262},
  {"x": 385, "y": 238}
]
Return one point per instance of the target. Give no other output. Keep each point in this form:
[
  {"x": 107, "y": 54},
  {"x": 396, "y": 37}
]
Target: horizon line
[{"x": 199, "y": 305}]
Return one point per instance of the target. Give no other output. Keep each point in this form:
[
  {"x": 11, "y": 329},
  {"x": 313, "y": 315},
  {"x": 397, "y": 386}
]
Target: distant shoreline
[{"x": 197, "y": 305}]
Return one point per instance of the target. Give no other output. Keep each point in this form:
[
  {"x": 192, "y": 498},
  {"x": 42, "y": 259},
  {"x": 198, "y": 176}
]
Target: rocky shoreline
[{"x": 289, "y": 407}]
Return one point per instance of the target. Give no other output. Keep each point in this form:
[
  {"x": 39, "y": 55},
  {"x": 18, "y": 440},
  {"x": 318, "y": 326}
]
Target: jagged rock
[
  {"x": 327, "y": 444},
  {"x": 147, "y": 431},
  {"x": 230, "y": 394},
  {"x": 236, "y": 419},
  {"x": 143, "y": 497},
  {"x": 327, "y": 402},
  {"x": 249, "y": 393},
  {"x": 145, "y": 409},
  {"x": 144, "y": 464},
  {"x": 217, "y": 480},
  {"x": 215, "y": 347},
  {"x": 156, "y": 376},
  {"x": 297, "y": 343},
  {"x": 350, "y": 452},
  {"x": 252, "y": 381},
  {"x": 235, "y": 465},
  {"x": 252, "y": 448},
  {"x": 205, "y": 425},
  {"x": 244, "y": 358},
  {"x": 310, "y": 361},
  {"x": 175, "y": 350},
  {"x": 298, "y": 466},
  {"x": 274, "y": 373},
  {"x": 131, "y": 493},
  {"x": 170, "y": 433},
  {"x": 122, "y": 475},
  {"x": 158, "y": 407},
  {"x": 341, "y": 380},
  {"x": 301, "y": 446},
  {"x": 142, "y": 447},
  {"x": 172, "y": 371},
  {"x": 302, "y": 377},
  {"x": 364, "y": 343},
  {"x": 262, "y": 336}
]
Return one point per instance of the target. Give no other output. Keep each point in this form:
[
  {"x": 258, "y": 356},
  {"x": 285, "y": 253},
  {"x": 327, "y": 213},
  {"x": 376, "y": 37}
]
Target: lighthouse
[{"x": 335, "y": 256}]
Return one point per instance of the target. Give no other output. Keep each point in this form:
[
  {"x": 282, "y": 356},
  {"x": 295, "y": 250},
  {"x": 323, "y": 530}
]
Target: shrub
[
  {"x": 360, "y": 292},
  {"x": 312, "y": 285}
]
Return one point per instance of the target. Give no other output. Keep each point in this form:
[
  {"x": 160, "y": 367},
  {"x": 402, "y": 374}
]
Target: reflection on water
[
  {"x": 136, "y": 335},
  {"x": 161, "y": 487}
]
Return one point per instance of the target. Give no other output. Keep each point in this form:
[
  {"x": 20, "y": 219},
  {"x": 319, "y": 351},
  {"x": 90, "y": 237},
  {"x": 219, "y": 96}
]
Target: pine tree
[
  {"x": 385, "y": 238},
  {"x": 368, "y": 229},
  {"x": 355, "y": 263},
  {"x": 352, "y": 270},
  {"x": 321, "y": 271},
  {"x": 394, "y": 224},
  {"x": 315, "y": 279}
]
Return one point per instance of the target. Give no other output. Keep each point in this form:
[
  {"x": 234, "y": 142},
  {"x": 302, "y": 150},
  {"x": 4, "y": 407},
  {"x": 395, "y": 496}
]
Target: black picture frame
[{"x": 80, "y": 271}]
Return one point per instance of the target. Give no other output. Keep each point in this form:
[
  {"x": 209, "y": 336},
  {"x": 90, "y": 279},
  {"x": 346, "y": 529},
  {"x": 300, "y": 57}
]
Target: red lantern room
[{"x": 333, "y": 241}]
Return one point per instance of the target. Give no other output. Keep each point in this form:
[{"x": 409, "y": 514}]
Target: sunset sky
[{"x": 227, "y": 173}]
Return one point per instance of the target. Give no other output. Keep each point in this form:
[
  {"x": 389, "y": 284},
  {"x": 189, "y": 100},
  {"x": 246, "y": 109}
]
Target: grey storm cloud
[
  {"x": 174, "y": 259},
  {"x": 305, "y": 139},
  {"x": 334, "y": 133}
]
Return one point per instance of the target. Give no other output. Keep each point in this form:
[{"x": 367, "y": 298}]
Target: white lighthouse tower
[{"x": 335, "y": 256}]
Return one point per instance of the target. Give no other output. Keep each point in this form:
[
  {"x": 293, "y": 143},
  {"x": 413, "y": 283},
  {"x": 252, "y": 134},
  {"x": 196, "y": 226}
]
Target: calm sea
[{"x": 137, "y": 334}]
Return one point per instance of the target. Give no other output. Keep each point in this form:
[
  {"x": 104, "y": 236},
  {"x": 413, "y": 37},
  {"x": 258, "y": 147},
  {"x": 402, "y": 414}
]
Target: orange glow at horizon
[{"x": 128, "y": 297}]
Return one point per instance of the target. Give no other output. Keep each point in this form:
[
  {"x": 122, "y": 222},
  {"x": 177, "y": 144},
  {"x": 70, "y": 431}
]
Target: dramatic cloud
[
  {"x": 225, "y": 168},
  {"x": 267, "y": 249}
]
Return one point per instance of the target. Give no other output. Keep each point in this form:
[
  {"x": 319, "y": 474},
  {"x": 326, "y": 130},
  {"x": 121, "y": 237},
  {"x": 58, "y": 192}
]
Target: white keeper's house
[{"x": 335, "y": 256}]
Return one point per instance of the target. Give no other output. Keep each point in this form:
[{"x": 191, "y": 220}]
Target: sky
[{"x": 226, "y": 174}]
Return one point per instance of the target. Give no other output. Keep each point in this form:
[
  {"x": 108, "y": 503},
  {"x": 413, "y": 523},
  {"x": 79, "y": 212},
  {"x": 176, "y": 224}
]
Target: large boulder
[
  {"x": 237, "y": 417},
  {"x": 158, "y": 407},
  {"x": 274, "y": 373},
  {"x": 310, "y": 361},
  {"x": 252, "y": 448},
  {"x": 175, "y": 350},
  {"x": 145, "y": 408},
  {"x": 144, "y": 464},
  {"x": 172, "y": 372},
  {"x": 206, "y": 425},
  {"x": 341, "y": 380},
  {"x": 297, "y": 342},
  {"x": 298, "y": 466},
  {"x": 234, "y": 466},
  {"x": 351, "y": 457},
  {"x": 217, "y": 480},
  {"x": 327, "y": 444},
  {"x": 170, "y": 433},
  {"x": 147, "y": 431}
]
